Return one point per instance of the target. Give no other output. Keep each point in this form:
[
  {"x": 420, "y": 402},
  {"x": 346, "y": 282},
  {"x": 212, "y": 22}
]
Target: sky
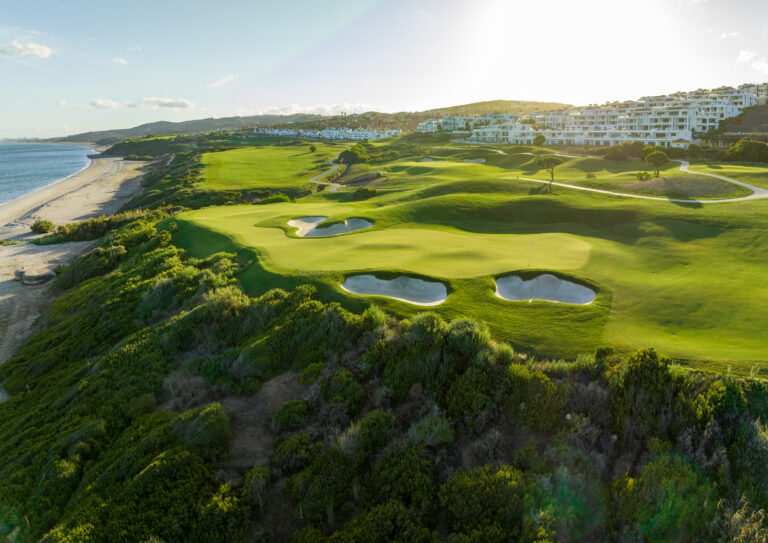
[{"x": 73, "y": 66}]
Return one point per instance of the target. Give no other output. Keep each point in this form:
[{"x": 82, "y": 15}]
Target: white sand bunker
[
  {"x": 475, "y": 160},
  {"x": 403, "y": 288},
  {"x": 311, "y": 227},
  {"x": 543, "y": 287}
]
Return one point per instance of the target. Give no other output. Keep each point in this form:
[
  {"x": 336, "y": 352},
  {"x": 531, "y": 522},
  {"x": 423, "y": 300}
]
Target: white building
[
  {"x": 342, "y": 134},
  {"x": 674, "y": 120}
]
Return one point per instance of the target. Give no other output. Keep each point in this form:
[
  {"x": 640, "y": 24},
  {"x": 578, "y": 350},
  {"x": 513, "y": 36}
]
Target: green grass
[
  {"x": 685, "y": 278},
  {"x": 266, "y": 167}
]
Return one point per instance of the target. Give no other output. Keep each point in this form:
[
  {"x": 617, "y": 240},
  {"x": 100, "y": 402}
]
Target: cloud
[
  {"x": 23, "y": 49},
  {"x": 692, "y": 2},
  {"x": 118, "y": 60},
  {"x": 221, "y": 82},
  {"x": 760, "y": 66},
  {"x": 746, "y": 56},
  {"x": 319, "y": 109},
  {"x": 134, "y": 48},
  {"x": 726, "y": 35},
  {"x": 104, "y": 103},
  {"x": 155, "y": 103}
]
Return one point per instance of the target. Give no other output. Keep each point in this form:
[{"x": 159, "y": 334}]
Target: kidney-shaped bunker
[
  {"x": 543, "y": 287},
  {"x": 406, "y": 289},
  {"x": 311, "y": 227}
]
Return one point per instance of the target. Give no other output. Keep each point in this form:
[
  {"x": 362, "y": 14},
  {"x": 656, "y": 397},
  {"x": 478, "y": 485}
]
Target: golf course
[{"x": 677, "y": 273}]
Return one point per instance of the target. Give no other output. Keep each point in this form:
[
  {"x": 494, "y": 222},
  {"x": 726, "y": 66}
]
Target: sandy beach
[{"x": 100, "y": 189}]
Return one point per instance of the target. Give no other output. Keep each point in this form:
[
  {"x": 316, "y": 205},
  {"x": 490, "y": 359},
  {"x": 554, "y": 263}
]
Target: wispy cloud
[
  {"x": 746, "y": 56},
  {"x": 155, "y": 103},
  {"x": 221, "y": 82},
  {"x": 317, "y": 109},
  {"x": 17, "y": 48},
  {"x": 760, "y": 66},
  {"x": 118, "y": 60},
  {"x": 728, "y": 35},
  {"x": 134, "y": 48},
  {"x": 104, "y": 103}
]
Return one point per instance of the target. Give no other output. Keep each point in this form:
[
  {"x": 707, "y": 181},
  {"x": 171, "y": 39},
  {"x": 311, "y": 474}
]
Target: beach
[{"x": 102, "y": 188}]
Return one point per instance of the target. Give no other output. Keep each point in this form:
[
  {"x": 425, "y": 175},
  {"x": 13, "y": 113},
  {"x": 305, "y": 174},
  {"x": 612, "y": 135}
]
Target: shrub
[
  {"x": 255, "y": 485},
  {"x": 532, "y": 397},
  {"x": 471, "y": 395},
  {"x": 483, "y": 497},
  {"x": 324, "y": 486},
  {"x": 368, "y": 435},
  {"x": 747, "y": 150},
  {"x": 205, "y": 431},
  {"x": 295, "y": 453},
  {"x": 343, "y": 387},
  {"x": 310, "y": 374},
  {"x": 391, "y": 521},
  {"x": 42, "y": 226},
  {"x": 432, "y": 431},
  {"x": 312, "y": 148},
  {"x": 408, "y": 477},
  {"x": 643, "y": 176},
  {"x": 274, "y": 199},
  {"x": 615, "y": 153},
  {"x": 290, "y": 415}
]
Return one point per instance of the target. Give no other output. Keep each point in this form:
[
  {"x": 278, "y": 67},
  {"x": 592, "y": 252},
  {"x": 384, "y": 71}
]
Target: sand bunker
[
  {"x": 475, "y": 160},
  {"x": 543, "y": 287},
  {"x": 403, "y": 288},
  {"x": 310, "y": 226}
]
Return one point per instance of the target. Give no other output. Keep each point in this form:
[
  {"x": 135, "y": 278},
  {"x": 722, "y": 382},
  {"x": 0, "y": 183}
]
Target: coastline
[{"x": 101, "y": 188}]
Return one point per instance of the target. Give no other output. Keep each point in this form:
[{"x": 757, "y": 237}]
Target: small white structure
[{"x": 339, "y": 134}]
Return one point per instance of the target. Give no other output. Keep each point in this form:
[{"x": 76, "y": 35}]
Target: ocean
[{"x": 25, "y": 167}]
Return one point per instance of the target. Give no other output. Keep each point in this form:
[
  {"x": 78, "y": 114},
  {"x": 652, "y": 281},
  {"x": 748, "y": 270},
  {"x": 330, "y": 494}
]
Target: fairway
[
  {"x": 266, "y": 167},
  {"x": 427, "y": 251},
  {"x": 669, "y": 275}
]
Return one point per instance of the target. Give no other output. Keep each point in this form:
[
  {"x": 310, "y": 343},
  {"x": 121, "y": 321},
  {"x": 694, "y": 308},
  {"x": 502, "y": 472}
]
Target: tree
[
  {"x": 549, "y": 163},
  {"x": 657, "y": 159},
  {"x": 539, "y": 140},
  {"x": 312, "y": 148}
]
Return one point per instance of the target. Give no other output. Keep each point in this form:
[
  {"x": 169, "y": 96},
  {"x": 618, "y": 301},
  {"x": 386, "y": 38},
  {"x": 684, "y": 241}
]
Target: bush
[
  {"x": 42, "y": 226},
  {"x": 205, "y": 431},
  {"x": 408, "y": 477},
  {"x": 643, "y": 176},
  {"x": 433, "y": 431},
  {"x": 274, "y": 199},
  {"x": 367, "y": 436},
  {"x": 310, "y": 374},
  {"x": 295, "y": 453},
  {"x": 615, "y": 153},
  {"x": 290, "y": 416},
  {"x": 483, "y": 497},
  {"x": 747, "y": 150},
  {"x": 389, "y": 522},
  {"x": 343, "y": 387},
  {"x": 255, "y": 485}
]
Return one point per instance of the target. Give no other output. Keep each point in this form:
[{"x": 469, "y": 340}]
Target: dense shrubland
[
  {"x": 120, "y": 425},
  {"x": 747, "y": 150}
]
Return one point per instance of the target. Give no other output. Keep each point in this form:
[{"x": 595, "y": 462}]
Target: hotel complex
[
  {"x": 343, "y": 134},
  {"x": 674, "y": 120}
]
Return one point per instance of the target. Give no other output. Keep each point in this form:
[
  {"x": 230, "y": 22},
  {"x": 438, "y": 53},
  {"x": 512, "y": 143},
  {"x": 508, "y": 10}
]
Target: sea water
[{"x": 26, "y": 167}]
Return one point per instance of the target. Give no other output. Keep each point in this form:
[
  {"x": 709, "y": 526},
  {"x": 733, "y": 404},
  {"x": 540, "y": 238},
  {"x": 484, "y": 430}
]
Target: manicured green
[
  {"x": 685, "y": 278},
  {"x": 270, "y": 167}
]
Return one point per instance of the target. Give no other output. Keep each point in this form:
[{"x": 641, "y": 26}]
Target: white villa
[
  {"x": 343, "y": 134},
  {"x": 674, "y": 120}
]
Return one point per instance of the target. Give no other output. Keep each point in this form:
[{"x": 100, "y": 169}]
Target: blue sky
[{"x": 68, "y": 67}]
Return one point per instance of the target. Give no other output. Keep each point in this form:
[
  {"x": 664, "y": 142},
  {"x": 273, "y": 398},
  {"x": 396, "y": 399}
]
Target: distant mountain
[
  {"x": 109, "y": 137},
  {"x": 372, "y": 119},
  {"x": 497, "y": 106}
]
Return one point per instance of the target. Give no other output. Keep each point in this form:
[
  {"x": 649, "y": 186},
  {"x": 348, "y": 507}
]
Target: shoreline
[
  {"x": 101, "y": 188},
  {"x": 88, "y": 165},
  {"x": 92, "y": 191}
]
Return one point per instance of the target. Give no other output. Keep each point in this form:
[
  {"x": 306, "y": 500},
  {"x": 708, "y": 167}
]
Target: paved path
[
  {"x": 757, "y": 192},
  {"x": 333, "y": 168}
]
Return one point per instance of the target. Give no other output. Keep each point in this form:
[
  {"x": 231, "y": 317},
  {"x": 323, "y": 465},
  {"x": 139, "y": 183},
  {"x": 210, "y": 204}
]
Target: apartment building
[
  {"x": 674, "y": 120},
  {"x": 339, "y": 134}
]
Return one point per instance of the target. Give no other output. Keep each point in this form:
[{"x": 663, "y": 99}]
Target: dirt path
[
  {"x": 250, "y": 419},
  {"x": 333, "y": 168}
]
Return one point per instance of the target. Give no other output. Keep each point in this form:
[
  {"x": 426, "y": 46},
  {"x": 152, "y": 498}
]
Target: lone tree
[
  {"x": 539, "y": 140},
  {"x": 549, "y": 163},
  {"x": 312, "y": 148},
  {"x": 657, "y": 159}
]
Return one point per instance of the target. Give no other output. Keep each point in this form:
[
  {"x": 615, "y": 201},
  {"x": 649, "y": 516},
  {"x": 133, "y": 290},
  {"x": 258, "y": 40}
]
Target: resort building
[
  {"x": 340, "y": 134},
  {"x": 674, "y": 120}
]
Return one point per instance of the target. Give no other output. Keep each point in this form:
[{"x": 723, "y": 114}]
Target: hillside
[
  {"x": 407, "y": 121},
  {"x": 753, "y": 121},
  {"x": 107, "y": 137}
]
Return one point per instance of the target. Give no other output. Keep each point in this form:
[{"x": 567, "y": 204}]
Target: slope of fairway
[
  {"x": 441, "y": 252},
  {"x": 265, "y": 167}
]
